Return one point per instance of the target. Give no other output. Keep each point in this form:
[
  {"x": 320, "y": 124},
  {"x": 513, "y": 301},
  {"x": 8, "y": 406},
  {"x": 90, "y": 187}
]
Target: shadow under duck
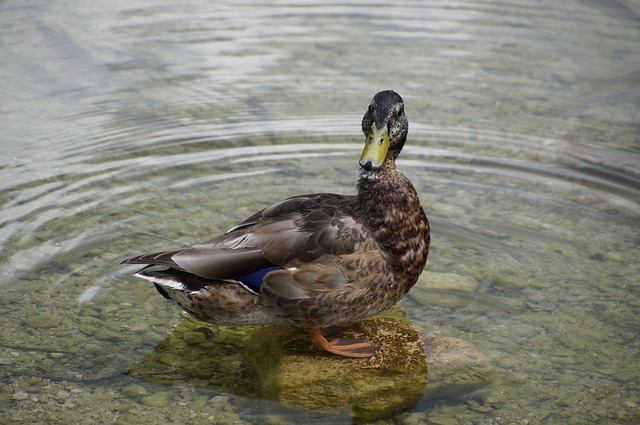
[{"x": 317, "y": 260}]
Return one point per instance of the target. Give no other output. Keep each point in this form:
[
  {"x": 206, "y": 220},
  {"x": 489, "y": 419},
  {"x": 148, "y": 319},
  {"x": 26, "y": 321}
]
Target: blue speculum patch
[{"x": 253, "y": 280}]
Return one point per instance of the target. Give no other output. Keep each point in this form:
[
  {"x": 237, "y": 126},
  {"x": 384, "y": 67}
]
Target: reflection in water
[{"x": 281, "y": 364}]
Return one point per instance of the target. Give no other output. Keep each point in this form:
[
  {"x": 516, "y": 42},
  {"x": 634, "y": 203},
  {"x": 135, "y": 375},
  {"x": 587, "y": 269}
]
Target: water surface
[{"x": 136, "y": 126}]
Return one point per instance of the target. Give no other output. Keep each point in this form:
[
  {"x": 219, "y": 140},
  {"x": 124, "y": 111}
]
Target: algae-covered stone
[
  {"x": 454, "y": 364},
  {"x": 293, "y": 371},
  {"x": 449, "y": 281},
  {"x": 194, "y": 337},
  {"x": 281, "y": 363}
]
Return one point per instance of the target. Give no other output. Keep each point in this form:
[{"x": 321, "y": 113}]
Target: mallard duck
[{"x": 315, "y": 261}]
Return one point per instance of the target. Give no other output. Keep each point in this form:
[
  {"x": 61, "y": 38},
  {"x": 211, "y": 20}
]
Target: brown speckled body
[
  {"x": 391, "y": 208},
  {"x": 335, "y": 258}
]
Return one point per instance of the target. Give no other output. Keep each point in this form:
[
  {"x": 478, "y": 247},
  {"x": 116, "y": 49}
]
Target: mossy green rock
[
  {"x": 296, "y": 373},
  {"x": 281, "y": 363}
]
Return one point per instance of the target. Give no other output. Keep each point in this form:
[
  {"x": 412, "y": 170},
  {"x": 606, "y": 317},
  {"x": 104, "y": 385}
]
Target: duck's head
[{"x": 385, "y": 126}]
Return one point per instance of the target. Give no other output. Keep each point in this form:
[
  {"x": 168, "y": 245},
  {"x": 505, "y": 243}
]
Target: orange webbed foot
[{"x": 341, "y": 346}]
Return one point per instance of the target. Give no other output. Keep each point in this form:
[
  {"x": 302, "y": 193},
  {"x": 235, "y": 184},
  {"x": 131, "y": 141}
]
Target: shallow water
[{"x": 134, "y": 126}]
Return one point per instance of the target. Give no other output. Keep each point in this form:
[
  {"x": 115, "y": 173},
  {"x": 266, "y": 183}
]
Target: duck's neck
[{"x": 389, "y": 205}]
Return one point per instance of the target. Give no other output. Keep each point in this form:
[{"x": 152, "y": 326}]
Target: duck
[{"x": 316, "y": 261}]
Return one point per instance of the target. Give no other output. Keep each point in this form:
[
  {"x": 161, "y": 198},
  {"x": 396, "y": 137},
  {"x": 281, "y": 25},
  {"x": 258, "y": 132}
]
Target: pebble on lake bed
[
  {"x": 158, "y": 399},
  {"x": 19, "y": 396}
]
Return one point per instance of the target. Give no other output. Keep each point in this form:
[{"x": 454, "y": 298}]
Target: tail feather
[
  {"x": 163, "y": 258},
  {"x": 174, "y": 278},
  {"x": 161, "y": 291}
]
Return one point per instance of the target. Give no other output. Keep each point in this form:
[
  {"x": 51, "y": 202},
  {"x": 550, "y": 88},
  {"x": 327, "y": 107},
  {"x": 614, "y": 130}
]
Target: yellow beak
[{"x": 375, "y": 148}]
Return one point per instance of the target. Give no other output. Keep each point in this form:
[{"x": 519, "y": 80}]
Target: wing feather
[{"x": 304, "y": 232}]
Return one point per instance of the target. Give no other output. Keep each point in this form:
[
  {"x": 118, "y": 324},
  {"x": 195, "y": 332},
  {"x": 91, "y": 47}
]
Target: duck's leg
[{"x": 342, "y": 347}]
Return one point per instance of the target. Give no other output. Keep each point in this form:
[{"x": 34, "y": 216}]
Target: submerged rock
[
  {"x": 409, "y": 364},
  {"x": 281, "y": 363},
  {"x": 290, "y": 369},
  {"x": 455, "y": 365}
]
